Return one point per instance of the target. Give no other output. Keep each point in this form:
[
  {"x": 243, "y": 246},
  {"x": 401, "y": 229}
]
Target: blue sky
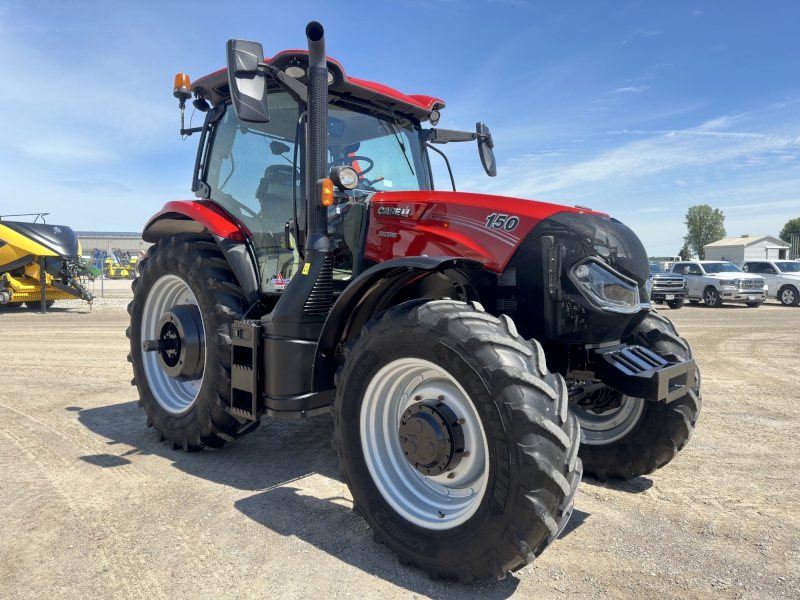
[{"x": 638, "y": 109}]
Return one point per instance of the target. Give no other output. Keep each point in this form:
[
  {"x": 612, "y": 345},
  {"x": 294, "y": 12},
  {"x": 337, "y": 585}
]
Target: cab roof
[{"x": 214, "y": 87}]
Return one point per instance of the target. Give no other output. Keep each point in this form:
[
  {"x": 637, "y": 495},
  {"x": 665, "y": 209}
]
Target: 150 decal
[{"x": 507, "y": 222}]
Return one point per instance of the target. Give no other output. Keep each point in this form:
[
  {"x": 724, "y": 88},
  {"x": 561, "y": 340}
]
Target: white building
[
  {"x": 106, "y": 241},
  {"x": 747, "y": 247}
]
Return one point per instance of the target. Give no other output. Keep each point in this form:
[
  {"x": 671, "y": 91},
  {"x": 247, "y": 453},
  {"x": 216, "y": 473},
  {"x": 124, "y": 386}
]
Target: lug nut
[
  {"x": 440, "y": 398},
  {"x": 465, "y": 454},
  {"x": 461, "y": 421},
  {"x": 451, "y": 475}
]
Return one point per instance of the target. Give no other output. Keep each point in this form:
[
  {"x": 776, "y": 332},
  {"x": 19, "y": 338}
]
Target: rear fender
[
  {"x": 206, "y": 217},
  {"x": 385, "y": 285}
]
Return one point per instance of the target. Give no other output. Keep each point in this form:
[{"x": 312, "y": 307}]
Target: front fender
[
  {"x": 368, "y": 294},
  {"x": 206, "y": 217}
]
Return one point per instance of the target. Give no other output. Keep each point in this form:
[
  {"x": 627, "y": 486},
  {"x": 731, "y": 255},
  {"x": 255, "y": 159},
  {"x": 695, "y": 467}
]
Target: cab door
[
  {"x": 692, "y": 273},
  {"x": 770, "y": 274},
  {"x": 767, "y": 271}
]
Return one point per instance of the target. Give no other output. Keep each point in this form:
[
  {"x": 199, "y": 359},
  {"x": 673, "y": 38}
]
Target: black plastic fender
[{"x": 368, "y": 294}]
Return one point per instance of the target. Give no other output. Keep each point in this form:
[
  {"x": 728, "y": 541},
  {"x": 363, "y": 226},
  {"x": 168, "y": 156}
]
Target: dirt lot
[{"x": 91, "y": 505}]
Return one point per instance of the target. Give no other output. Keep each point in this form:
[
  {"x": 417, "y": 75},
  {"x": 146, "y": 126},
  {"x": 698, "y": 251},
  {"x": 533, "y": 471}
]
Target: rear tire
[
  {"x": 789, "y": 296},
  {"x": 182, "y": 267},
  {"x": 523, "y": 475},
  {"x": 660, "y": 430},
  {"x": 675, "y": 304}
]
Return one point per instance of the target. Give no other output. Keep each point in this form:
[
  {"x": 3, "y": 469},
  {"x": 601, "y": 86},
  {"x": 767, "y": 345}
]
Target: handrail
[{"x": 37, "y": 215}]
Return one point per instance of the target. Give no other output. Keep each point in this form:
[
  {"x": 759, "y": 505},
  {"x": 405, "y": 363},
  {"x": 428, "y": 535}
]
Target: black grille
[
  {"x": 667, "y": 283},
  {"x": 320, "y": 299}
]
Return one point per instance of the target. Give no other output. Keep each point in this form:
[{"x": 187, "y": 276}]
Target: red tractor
[{"x": 477, "y": 353}]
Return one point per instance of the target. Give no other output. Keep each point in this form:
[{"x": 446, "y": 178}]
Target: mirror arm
[
  {"x": 447, "y": 162},
  {"x": 445, "y": 136},
  {"x": 296, "y": 90}
]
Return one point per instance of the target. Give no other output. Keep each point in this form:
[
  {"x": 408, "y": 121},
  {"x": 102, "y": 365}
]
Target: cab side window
[{"x": 685, "y": 269}]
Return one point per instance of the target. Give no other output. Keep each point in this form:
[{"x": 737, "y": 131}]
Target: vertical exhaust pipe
[
  {"x": 319, "y": 254},
  {"x": 317, "y": 141}
]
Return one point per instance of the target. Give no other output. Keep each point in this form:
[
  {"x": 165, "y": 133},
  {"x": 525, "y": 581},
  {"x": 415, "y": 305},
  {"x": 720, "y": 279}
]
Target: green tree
[
  {"x": 791, "y": 228},
  {"x": 703, "y": 225}
]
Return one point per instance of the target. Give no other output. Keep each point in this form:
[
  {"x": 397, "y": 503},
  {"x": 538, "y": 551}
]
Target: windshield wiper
[{"x": 397, "y": 137}]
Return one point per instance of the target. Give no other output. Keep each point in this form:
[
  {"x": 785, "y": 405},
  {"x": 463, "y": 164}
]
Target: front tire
[
  {"x": 675, "y": 304},
  {"x": 505, "y": 501},
  {"x": 639, "y": 436},
  {"x": 789, "y": 296},
  {"x": 187, "y": 270},
  {"x": 711, "y": 297}
]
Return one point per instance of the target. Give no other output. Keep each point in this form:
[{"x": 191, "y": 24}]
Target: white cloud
[
  {"x": 630, "y": 89},
  {"x": 662, "y": 152}
]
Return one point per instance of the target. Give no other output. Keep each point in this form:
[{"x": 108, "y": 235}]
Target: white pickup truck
[
  {"x": 782, "y": 277},
  {"x": 718, "y": 281}
]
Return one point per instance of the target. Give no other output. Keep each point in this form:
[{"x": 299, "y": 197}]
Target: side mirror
[
  {"x": 770, "y": 271},
  {"x": 247, "y": 84},
  {"x": 485, "y": 145}
]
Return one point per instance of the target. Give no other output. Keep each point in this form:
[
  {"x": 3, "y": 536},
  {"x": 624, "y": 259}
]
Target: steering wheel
[{"x": 349, "y": 160}]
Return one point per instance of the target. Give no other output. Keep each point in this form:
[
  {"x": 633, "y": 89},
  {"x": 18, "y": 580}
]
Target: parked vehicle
[
  {"x": 667, "y": 287},
  {"x": 782, "y": 277},
  {"x": 463, "y": 343},
  {"x": 716, "y": 281}
]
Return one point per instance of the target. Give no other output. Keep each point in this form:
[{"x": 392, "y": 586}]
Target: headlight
[
  {"x": 605, "y": 288},
  {"x": 728, "y": 282}
]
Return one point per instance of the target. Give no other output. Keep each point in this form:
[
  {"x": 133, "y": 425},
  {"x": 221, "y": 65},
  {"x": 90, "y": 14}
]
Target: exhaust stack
[{"x": 317, "y": 142}]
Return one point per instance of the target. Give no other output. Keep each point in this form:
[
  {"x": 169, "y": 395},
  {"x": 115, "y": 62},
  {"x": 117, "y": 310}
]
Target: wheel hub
[
  {"x": 431, "y": 437},
  {"x": 180, "y": 344}
]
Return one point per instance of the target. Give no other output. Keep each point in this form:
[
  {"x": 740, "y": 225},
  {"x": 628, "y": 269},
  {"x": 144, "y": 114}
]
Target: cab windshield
[
  {"x": 788, "y": 267},
  {"x": 251, "y": 171},
  {"x": 723, "y": 267}
]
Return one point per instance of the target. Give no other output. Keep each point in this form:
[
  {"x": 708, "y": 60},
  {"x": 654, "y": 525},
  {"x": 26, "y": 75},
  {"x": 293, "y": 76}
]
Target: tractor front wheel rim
[
  {"x": 598, "y": 429},
  {"x": 174, "y": 395},
  {"x": 440, "y": 500}
]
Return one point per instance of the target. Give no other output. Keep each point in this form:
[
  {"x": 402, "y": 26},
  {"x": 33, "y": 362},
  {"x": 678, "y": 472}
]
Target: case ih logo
[{"x": 392, "y": 211}]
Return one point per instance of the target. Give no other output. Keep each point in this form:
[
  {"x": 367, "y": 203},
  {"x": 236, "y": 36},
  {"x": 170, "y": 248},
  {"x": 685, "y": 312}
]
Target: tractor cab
[{"x": 255, "y": 171}]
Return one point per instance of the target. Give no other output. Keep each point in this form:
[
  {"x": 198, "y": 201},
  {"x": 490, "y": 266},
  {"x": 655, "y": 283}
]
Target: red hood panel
[{"x": 478, "y": 226}]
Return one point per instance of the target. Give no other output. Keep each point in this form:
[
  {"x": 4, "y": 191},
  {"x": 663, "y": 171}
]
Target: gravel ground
[{"x": 91, "y": 505}]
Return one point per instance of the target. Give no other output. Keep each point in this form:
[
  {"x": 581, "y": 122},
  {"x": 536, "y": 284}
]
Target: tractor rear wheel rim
[
  {"x": 440, "y": 501},
  {"x": 174, "y": 396},
  {"x": 611, "y": 425}
]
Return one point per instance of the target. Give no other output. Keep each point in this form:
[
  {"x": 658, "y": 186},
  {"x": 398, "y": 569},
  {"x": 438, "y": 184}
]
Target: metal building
[
  {"x": 748, "y": 247},
  {"x": 106, "y": 241}
]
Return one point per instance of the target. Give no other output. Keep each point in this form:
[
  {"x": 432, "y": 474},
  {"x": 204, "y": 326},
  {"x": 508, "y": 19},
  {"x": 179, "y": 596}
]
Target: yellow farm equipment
[{"x": 39, "y": 264}]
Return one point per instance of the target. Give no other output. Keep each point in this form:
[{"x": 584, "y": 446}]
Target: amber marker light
[
  {"x": 326, "y": 192},
  {"x": 183, "y": 86}
]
